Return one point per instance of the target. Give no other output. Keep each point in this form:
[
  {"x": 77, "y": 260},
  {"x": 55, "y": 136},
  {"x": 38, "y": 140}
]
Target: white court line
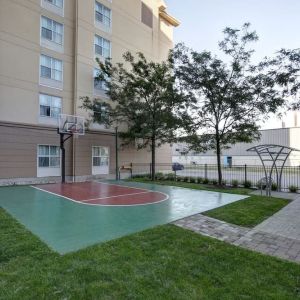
[
  {"x": 116, "y": 196},
  {"x": 110, "y": 205},
  {"x": 126, "y": 186}
]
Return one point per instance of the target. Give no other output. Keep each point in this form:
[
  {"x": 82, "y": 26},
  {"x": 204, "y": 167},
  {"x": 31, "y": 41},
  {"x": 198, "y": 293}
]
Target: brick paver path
[{"x": 277, "y": 236}]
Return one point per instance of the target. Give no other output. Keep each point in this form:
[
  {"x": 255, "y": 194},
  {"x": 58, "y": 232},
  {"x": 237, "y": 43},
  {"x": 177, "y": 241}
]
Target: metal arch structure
[{"x": 277, "y": 156}]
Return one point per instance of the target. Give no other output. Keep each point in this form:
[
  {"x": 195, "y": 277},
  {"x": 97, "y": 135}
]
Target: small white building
[{"x": 238, "y": 155}]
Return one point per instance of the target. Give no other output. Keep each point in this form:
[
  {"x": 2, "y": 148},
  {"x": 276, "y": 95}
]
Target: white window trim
[
  {"x": 102, "y": 24},
  {"x": 47, "y": 171},
  {"x": 62, "y": 69},
  {"x": 110, "y": 46},
  {"x": 38, "y": 156},
  {"x": 50, "y": 117},
  {"x": 57, "y": 7},
  {"x": 108, "y": 157},
  {"x": 63, "y": 3},
  {"x": 53, "y": 8},
  {"x": 51, "y": 41}
]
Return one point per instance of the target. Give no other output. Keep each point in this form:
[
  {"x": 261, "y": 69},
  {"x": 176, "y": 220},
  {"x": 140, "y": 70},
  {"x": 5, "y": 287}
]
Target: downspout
[{"x": 75, "y": 85}]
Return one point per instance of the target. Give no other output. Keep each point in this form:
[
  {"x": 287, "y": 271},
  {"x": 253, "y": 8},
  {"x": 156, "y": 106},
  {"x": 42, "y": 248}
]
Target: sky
[{"x": 277, "y": 23}]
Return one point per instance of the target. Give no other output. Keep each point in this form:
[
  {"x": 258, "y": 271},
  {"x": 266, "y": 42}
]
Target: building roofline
[{"x": 168, "y": 18}]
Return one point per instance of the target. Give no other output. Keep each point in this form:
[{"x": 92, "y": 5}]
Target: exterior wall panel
[{"x": 21, "y": 127}]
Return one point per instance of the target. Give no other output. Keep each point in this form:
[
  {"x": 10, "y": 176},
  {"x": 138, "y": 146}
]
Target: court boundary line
[
  {"x": 116, "y": 196},
  {"x": 129, "y": 187},
  {"x": 107, "y": 205}
]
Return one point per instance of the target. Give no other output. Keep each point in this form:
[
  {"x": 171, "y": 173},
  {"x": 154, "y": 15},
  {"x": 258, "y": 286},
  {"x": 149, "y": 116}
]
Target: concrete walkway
[
  {"x": 286, "y": 222},
  {"x": 277, "y": 236}
]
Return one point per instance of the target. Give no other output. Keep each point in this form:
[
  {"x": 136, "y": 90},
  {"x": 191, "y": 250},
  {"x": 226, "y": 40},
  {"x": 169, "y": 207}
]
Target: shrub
[
  {"x": 235, "y": 183},
  {"x": 170, "y": 176},
  {"x": 159, "y": 176},
  {"x": 147, "y": 176},
  {"x": 186, "y": 179},
  {"x": 199, "y": 180},
  {"x": 192, "y": 180},
  {"x": 274, "y": 186},
  {"x": 214, "y": 181},
  {"x": 205, "y": 181},
  {"x": 293, "y": 189},
  {"x": 247, "y": 184}
]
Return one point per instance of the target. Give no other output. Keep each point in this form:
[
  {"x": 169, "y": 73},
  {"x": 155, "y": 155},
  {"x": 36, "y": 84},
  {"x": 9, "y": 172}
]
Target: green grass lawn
[
  {"x": 166, "y": 262},
  {"x": 247, "y": 213}
]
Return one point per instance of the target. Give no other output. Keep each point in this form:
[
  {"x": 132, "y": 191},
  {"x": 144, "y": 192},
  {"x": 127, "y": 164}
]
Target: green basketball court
[{"x": 67, "y": 220}]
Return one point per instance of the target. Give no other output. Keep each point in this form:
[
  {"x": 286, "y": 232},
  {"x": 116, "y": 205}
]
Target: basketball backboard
[{"x": 71, "y": 124}]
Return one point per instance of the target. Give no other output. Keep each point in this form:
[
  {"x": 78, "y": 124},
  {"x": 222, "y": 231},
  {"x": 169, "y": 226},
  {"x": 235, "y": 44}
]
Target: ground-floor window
[
  {"x": 48, "y": 160},
  {"x": 100, "y": 160}
]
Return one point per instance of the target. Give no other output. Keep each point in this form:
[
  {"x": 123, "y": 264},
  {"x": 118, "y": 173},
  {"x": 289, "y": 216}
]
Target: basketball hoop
[
  {"x": 68, "y": 126},
  {"x": 72, "y": 125}
]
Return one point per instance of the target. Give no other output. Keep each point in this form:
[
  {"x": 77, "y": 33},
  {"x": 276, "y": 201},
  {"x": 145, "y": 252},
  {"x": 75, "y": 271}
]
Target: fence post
[
  {"x": 245, "y": 173},
  {"x": 150, "y": 170},
  {"x": 131, "y": 170},
  {"x": 205, "y": 171}
]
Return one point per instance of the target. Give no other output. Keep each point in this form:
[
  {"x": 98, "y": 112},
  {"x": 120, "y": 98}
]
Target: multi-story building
[{"x": 47, "y": 62}]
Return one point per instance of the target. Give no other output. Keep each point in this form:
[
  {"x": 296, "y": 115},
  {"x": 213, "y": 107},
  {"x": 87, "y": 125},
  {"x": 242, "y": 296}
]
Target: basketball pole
[
  {"x": 117, "y": 155},
  {"x": 63, "y": 154}
]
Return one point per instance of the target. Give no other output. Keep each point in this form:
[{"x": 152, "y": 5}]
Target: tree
[
  {"x": 227, "y": 97},
  {"x": 144, "y": 99},
  {"x": 285, "y": 69}
]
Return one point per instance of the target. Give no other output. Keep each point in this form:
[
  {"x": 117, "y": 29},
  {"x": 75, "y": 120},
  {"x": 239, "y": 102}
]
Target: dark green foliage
[
  {"x": 228, "y": 97},
  {"x": 247, "y": 184},
  {"x": 192, "y": 180},
  {"x": 293, "y": 189},
  {"x": 200, "y": 180},
  {"x": 141, "y": 176},
  {"x": 235, "y": 183},
  {"x": 159, "y": 176},
  {"x": 186, "y": 179},
  {"x": 274, "y": 186},
  {"x": 170, "y": 176},
  {"x": 205, "y": 180},
  {"x": 145, "y": 100},
  {"x": 214, "y": 181},
  {"x": 286, "y": 73}
]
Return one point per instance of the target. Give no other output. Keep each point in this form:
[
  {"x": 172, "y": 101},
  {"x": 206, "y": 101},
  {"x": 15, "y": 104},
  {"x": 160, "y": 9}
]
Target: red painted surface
[{"x": 103, "y": 194}]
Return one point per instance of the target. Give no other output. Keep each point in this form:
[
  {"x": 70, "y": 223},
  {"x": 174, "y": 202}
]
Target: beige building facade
[{"x": 47, "y": 62}]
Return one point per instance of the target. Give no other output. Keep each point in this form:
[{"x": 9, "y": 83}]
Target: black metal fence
[{"x": 235, "y": 174}]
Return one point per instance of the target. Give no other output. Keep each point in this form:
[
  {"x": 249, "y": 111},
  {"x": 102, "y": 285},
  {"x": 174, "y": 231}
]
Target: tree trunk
[
  {"x": 219, "y": 159},
  {"x": 153, "y": 158}
]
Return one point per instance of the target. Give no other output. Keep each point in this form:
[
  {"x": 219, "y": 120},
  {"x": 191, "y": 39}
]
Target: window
[
  {"x": 52, "y": 31},
  {"x": 100, "y": 156},
  {"x": 99, "y": 84},
  {"x": 147, "y": 15},
  {"x": 51, "y": 68},
  {"x": 58, "y": 3},
  {"x": 50, "y": 106},
  {"x": 103, "y": 14},
  {"x": 48, "y": 156},
  {"x": 102, "y": 46}
]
